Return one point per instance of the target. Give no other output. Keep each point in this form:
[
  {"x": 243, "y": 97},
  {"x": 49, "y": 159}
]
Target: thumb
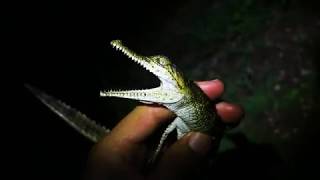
[{"x": 184, "y": 157}]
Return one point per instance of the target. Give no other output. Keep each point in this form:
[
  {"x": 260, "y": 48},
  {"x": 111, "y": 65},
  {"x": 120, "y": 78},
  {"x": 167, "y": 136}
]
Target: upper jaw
[
  {"x": 141, "y": 60},
  {"x": 149, "y": 64}
]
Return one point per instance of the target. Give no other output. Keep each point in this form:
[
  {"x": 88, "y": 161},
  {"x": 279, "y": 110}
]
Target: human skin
[{"x": 122, "y": 154}]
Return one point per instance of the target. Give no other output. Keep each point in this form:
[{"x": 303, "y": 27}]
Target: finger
[
  {"x": 213, "y": 89},
  {"x": 184, "y": 157},
  {"x": 230, "y": 114},
  {"x": 141, "y": 122},
  {"x": 133, "y": 130}
]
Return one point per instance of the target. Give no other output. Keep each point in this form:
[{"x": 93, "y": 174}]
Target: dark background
[{"x": 265, "y": 51}]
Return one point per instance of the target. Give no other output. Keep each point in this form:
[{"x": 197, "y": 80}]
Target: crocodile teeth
[{"x": 117, "y": 44}]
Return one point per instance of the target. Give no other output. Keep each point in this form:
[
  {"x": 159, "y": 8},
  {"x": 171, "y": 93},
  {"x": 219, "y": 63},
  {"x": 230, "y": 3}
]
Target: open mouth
[{"x": 153, "y": 95}]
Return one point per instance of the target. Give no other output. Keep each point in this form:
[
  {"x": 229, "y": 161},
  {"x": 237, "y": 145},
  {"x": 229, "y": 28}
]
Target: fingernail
[
  {"x": 200, "y": 143},
  {"x": 209, "y": 82}
]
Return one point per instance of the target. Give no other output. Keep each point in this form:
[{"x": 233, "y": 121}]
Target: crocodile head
[{"x": 172, "y": 83}]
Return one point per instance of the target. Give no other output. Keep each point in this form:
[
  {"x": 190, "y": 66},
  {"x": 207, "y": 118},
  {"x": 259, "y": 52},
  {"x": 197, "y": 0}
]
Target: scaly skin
[{"x": 191, "y": 106}]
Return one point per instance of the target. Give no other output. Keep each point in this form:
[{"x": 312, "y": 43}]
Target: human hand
[{"x": 121, "y": 154}]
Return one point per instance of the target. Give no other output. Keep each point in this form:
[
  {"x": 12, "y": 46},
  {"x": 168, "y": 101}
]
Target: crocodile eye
[{"x": 162, "y": 62}]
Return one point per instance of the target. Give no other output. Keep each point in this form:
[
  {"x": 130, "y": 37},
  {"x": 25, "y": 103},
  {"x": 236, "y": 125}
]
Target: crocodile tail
[{"x": 79, "y": 121}]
